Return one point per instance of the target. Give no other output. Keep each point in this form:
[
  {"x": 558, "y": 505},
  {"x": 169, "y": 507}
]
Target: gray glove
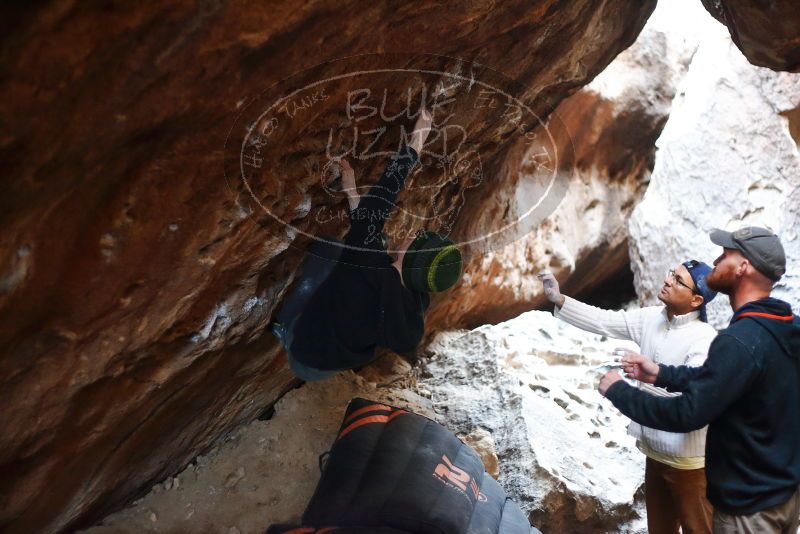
[{"x": 551, "y": 290}]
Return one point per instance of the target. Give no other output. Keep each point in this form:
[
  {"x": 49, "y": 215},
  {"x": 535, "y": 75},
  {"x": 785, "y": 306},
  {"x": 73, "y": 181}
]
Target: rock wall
[
  {"x": 728, "y": 157},
  {"x": 137, "y": 277},
  {"x": 605, "y": 137},
  {"x": 768, "y": 33}
]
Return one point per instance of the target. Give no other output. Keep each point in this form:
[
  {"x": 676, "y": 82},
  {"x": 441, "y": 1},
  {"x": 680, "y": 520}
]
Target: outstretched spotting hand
[
  {"x": 607, "y": 381},
  {"x": 421, "y": 130},
  {"x": 551, "y": 289},
  {"x": 638, "y": 367},
  {"x": 349, "y": 184}
]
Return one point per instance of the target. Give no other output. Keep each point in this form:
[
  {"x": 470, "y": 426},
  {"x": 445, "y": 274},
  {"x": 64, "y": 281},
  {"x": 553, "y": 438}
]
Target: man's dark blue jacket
[{"x": 748, "y": 393}]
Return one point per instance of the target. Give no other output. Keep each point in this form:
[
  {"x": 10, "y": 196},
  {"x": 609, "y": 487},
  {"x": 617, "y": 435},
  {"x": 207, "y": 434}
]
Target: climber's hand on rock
[
  {"x": 607, "y": 381},
  {"x": 348, "y": 174},
  {"x": 638, "y": 367},
  {"x": 421, "y": 130},
  {"x": 349, "y": 184},
  {"x": 551, "y": 289}
]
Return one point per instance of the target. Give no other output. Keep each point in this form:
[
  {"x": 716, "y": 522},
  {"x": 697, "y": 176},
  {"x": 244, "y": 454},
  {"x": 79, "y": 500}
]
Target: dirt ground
[{"x": 265, "y": 472}]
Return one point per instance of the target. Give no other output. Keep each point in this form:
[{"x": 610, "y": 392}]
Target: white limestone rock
[
  {"x": 563, "y": 450},
  {"x": 727, "y": 158}
]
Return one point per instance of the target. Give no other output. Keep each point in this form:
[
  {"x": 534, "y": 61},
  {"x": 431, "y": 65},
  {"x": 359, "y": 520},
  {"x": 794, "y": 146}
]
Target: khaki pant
[
  {"x": 783, "y": 518},
  {"x": 676, "y": 498}
]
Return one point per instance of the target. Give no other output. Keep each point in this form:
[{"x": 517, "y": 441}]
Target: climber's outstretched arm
[{"x": 372, "y": 210}]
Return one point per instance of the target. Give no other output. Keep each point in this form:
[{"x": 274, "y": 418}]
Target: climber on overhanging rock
[
  {"x": 355, "y": 297},
  {"x": 674, "y": 334}
]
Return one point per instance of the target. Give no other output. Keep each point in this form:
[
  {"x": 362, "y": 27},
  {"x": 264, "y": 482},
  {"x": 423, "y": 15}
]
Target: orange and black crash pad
[{"x": 391, "y": 471}]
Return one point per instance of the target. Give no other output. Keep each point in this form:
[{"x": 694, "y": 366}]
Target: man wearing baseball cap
[{"x": 747, "y": 392}]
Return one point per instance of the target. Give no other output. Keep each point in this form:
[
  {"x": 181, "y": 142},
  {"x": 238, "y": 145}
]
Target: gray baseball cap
[{"x": 759, "y": 245}]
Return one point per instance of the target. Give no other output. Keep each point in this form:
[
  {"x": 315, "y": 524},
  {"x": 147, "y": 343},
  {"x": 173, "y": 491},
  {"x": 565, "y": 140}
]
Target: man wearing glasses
[{"x": 673, "y": 334}]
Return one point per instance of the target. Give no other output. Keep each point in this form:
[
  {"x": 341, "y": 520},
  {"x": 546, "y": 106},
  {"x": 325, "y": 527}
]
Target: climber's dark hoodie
[
  {"x": 748, "y": 393},
  {"x": 363, "y": 304}
]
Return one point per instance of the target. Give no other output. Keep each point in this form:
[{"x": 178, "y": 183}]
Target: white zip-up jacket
[{"x": 682, "y": 341}]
